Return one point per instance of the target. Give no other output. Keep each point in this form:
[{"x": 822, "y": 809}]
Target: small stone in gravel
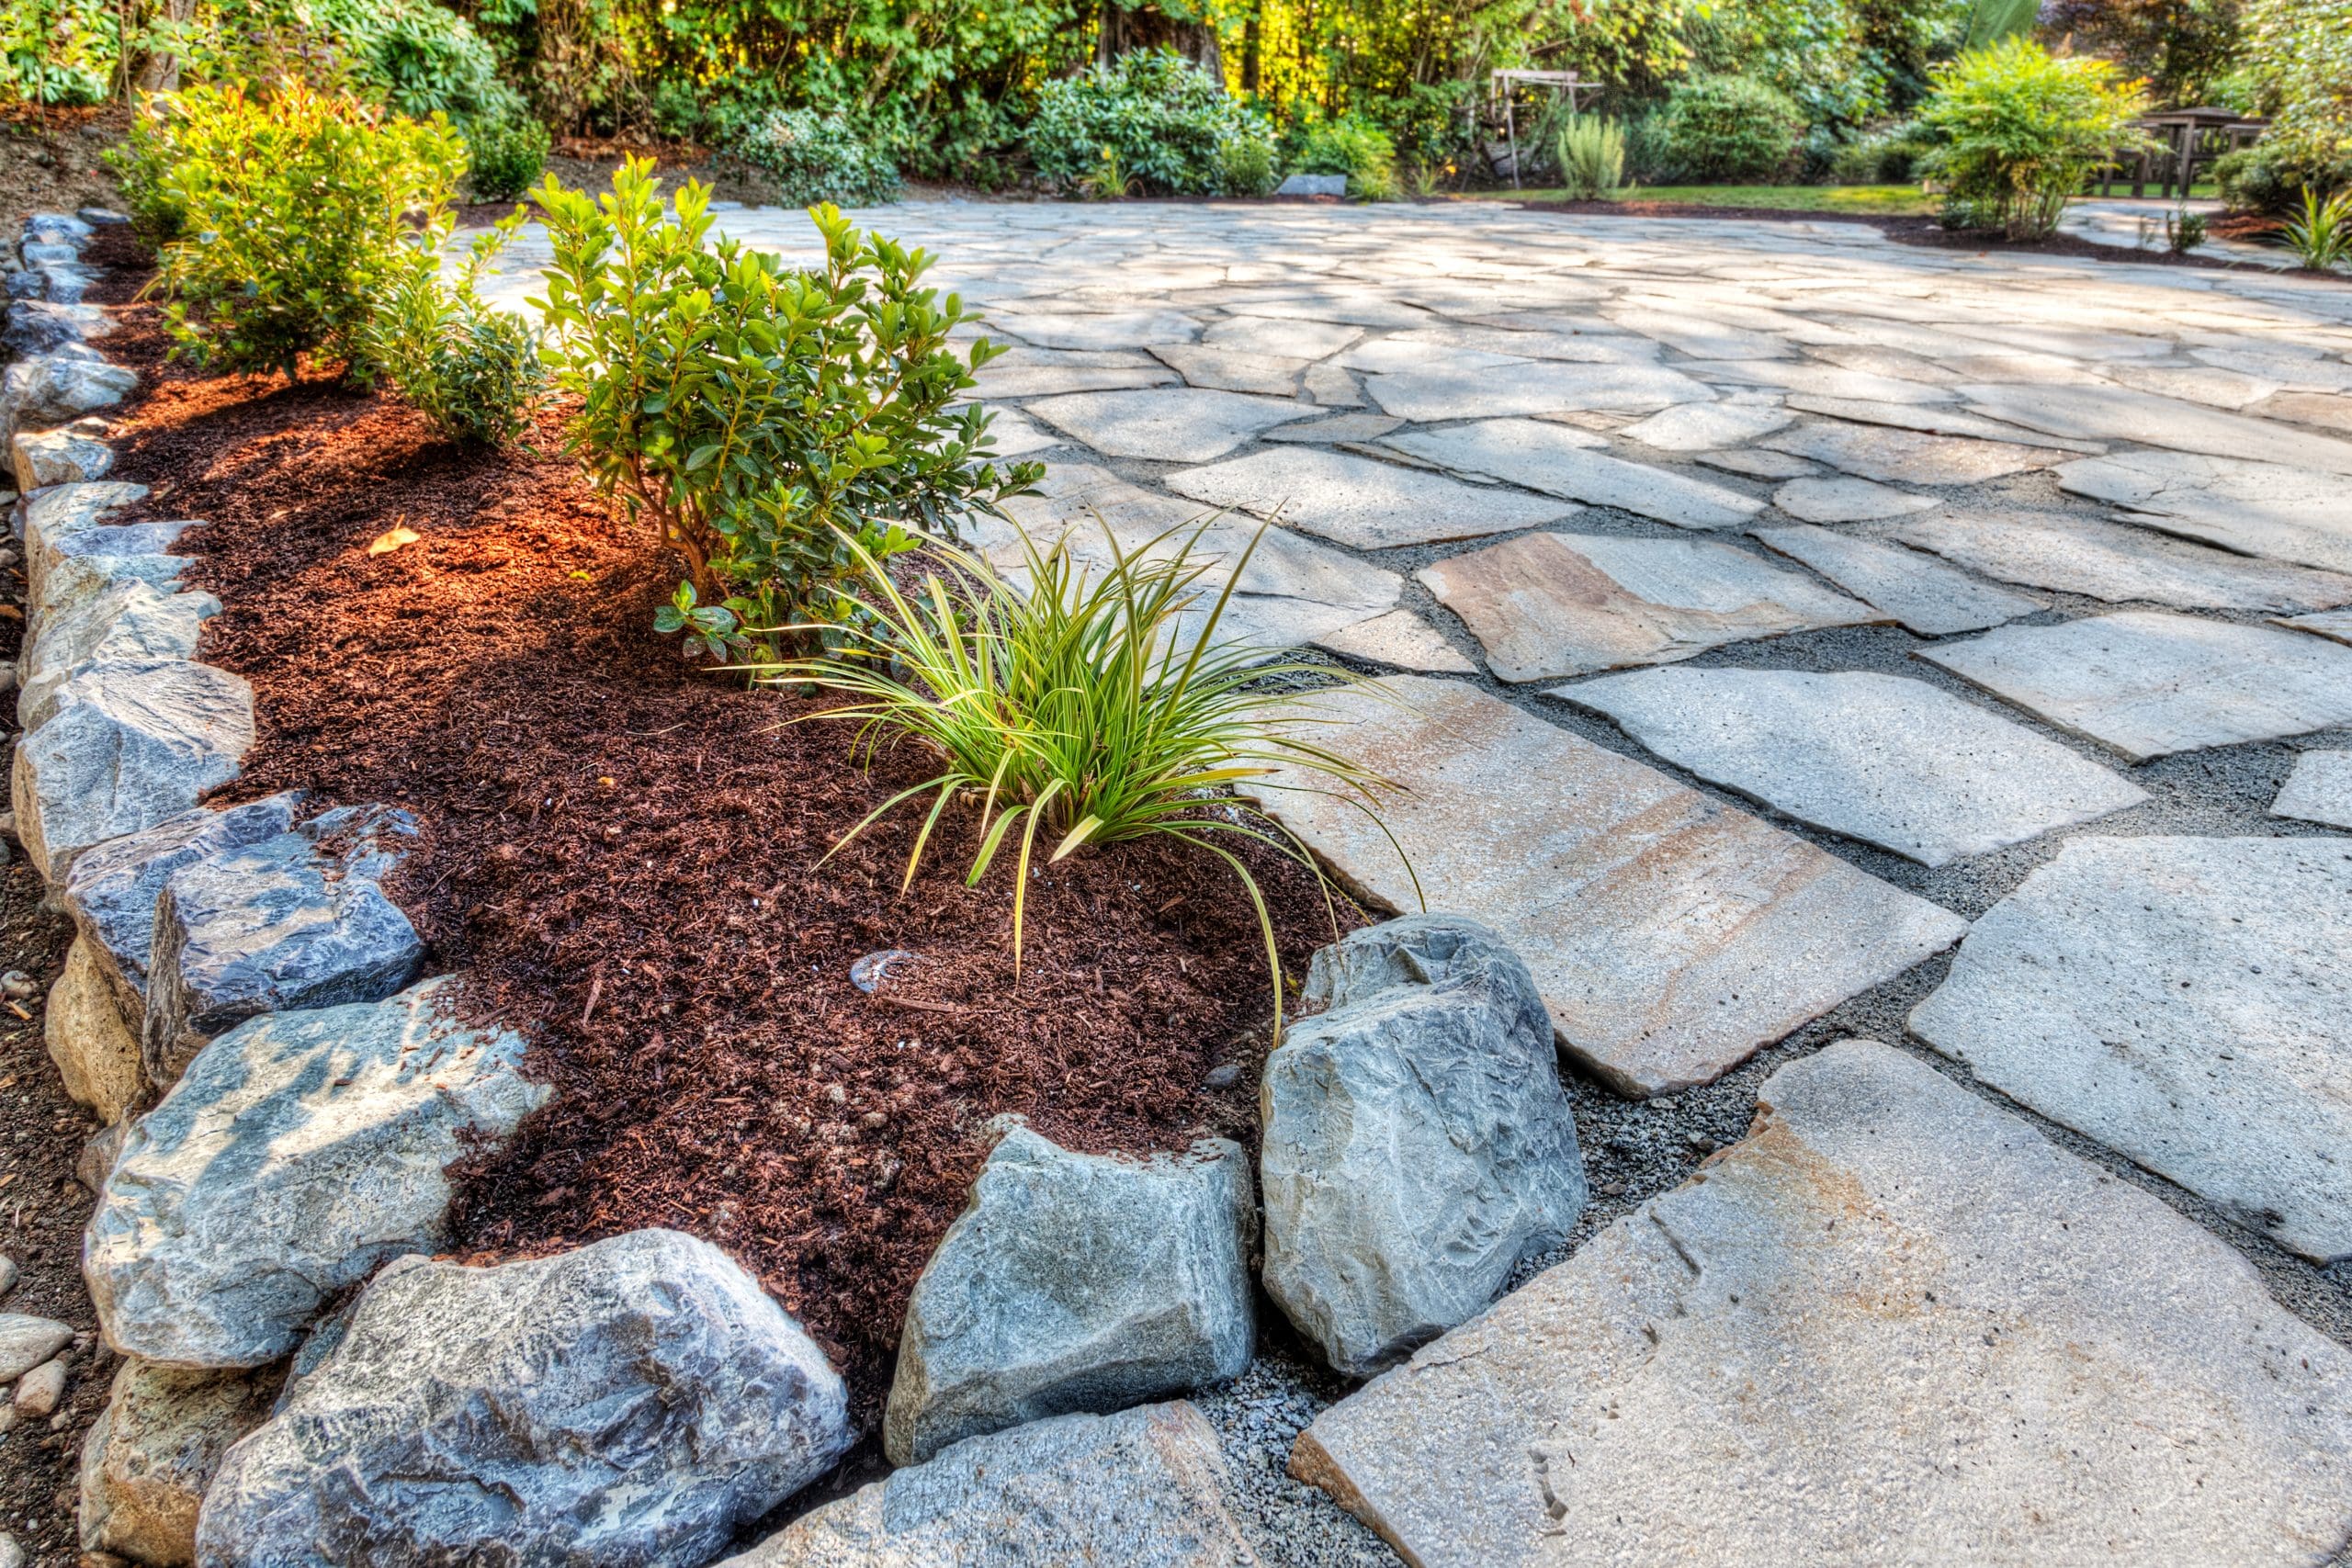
[
  {"x": 25, "y": 1342},
  {"x": 8, "y": 1275},
  {"x": 38, "y": 1391}
]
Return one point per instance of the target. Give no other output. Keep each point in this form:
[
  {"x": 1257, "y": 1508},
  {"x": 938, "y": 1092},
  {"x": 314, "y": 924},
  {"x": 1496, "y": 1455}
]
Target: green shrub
[
  {"x": 1169, "y": 124},
  {"x": 1889, "y": 155},
  {"x": 1246, "y": 166},
  {"x": 1590, "y": 154},
  {"x": 775, "y": 426},
  {"x": 1092, "y": 709},
  {"x": 293, "y": 213},
  {"x": 2023, "y": 128},
  {"x": 2298, "y": 59},
  {"x": 816, "y": 158},
  {"x": 424, "y": 58},
  {"x": 503, "y": 157},
  {"x": 473, "y": 372},
  {"x": 2271, "y": 177},
  {"x": 2321, "y": 236},
  {"x": 1729, "y": 129},
  {"x": 1357, "y": 149}
]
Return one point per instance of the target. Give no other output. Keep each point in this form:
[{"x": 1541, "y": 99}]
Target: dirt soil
[
  {"x": 50, "y": 163},
  {"x": 620, "y": 851}
]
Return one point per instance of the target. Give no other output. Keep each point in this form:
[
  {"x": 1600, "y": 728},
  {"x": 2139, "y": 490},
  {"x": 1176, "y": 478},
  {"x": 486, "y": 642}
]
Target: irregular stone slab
[
  {"x": 1417, "y": 1144},
  {"x": 2186, "y": 1002},
  {"x": 128, "y": 745},
  {"x": 1346, "y": 428},
  {"x": 1291, "y": 340},
  {"x": 1554, "y": 605},
  {"x": 1557, "y": 460},
  {"x": 1358, "y": 501},
  {"x": 1906, "y": 456},
  {"x": 296, "y": 1153},
  {"x": 279, "y": 926},
  {"x": 2258, "y": 509},
  {"x": 1921, "y": 592},
  {"x": 2308, "y": 408},
  {"x": 2300, "y": 371},
  {"x": 1702, "y": 427},
  {"x": 1757, "y": 463},
  {"x": 27, "y": 1341},
  {"x": 2319, "y": 790},
  {"x": 154, "y": 1450},
  {"x": 1708, "y": 1380},
  {"x": 58, "y": 457},
  {"x": 1145, "y": 1488},
  {"x": 1671, "y": 935},
  {"x": 1111, "y": 329},
  {"x": 1232, "y": 370},
  {"x": 1467, "y": 393},
  {"x": 2334, "y": 624},
  {"x": 1892, "y": 761},
  {"x": 1180, "y": 424},
  {"x": 635, "y": 1402},
  {"x": 1313, "y": 185},
  {"x": 2148, "y": 683},
  {"x": 1845, "y": 501},
  {"x": 1331, "y": 388},
  {"x": 2118, "y": 413},
  {"x": 2199, "y": 384},
  {"x": 1353, "y": 306},
  {"x": 1047, "y": 380},
  {"x": 1399, "y": 638},
  {"x": 1410, "y": 354},
  {"x": 1820, "y": 380},
  {"x": 1076, "y": 1282},
  {"x": 132, "y": 622},
  {"x": 1933, "y": 421},
  {"x": 53, "y": 388},
  {"x": 95, "y": 1053},
  {"x": 2118, "y": 564},
  {"x": 1012, "y": 435}
]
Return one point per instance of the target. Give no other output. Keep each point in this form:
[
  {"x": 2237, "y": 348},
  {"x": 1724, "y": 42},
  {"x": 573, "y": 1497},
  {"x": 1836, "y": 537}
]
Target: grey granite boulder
[
  {"x": 154, "y": 1450},
  {"x": 36, "y": 327},
  {"x": 1075, "y": 1282},
  {"x": 112, "y": 889},
  {"x": 293, "y": 923},
  {"x": 52, "y": 388},
  {"x": 127, "y": 746},
  {"x": 631, "y": 1404},
  {"x": 296, "y": 1153},
  {"x": 44, "y": 457},
  {"x": 65, "y": 511},
  {"x": 1417, "y": 1142},
  {"x": 1145, "y": 1488},
  {"x": 131, "y": 622},
  {"x": 88, "y": 565}
]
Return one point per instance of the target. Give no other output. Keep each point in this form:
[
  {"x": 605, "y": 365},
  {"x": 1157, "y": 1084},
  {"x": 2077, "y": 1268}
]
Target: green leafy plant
[
  {"x": 2184, "y": 230},
  {"x": 504, "y": 156},
  {"x": 1729, "y": 129},
  {"x": 1079, "y": 709},
  {"x": 1357, "y": 149},
  {"x": 2023, "y": 128},
  {"x": 1246, "y": 166},
  {"x": 816, "y": 158},
  {"x": 776, "y": 426},
  {"x": 1109, "y": 182},
  {"x": 1170, "y": 123},
  {"x": 472, "y": 371},
  {"x": 2321, "y": 236},
  {"x": 294, "y": 211},
  {"x": 1590, "y": 153}
]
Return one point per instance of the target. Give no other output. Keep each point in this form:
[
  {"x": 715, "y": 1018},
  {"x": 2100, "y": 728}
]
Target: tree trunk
[
  {"x": 160, "y": 72},
  {"x": 1124, "y": 31}
]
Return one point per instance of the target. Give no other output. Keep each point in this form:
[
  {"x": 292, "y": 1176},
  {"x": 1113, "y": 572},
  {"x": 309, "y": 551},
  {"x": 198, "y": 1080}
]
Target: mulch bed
[{"x": 620, "y": 852}]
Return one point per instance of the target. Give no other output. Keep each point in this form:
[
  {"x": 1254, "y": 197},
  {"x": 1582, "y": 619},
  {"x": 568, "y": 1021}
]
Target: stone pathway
[{"x": 1754, "y": 606}]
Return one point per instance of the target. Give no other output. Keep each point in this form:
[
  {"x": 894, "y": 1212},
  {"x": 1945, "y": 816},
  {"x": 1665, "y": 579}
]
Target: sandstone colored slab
[
  {"x": 2319, "y": 790},
  {"x": 1361, "y": 503},
  {"x": 1176, "y": 424},
  {"x": 1546, "y": 605},
  {"x": 1892, "y": 761},
  {"x": 1894, "y": 1326},
  {"x": 2186, "y": 1002},
  {"x": 2119, "y": 564},
  {"x": 2121, "y": 414},
  {"x": 1558, "y": 460},
  {"x": 1399, "y": 638},
  {"x": 2148, "y": 683},
  {"x": 1907, "y": 456},
  {"x": 2261, "y": 509},
  {"x": 1485, "y": 391},
  {"x": 1845, "y": 501},
  {"x": 1919, "y": 590},
  {"x": 1669, "y": 934}
]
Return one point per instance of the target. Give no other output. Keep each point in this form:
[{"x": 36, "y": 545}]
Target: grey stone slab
[
  {"x": 2196, "y": 383},
  {"x": 2186, "y": 1002},
  {"x": 1670, "y": 933},
  {"x": 1821, "y": 380},
  {"x": 1847, "y": 500},
  {"x": 1051, "y": 380},
  {"x": 1015, "y": 437},
  {"x": 1892, "y": 761},
  {"x": 2261, "y": 509},
  {"x": 2070, "y": 554},
  {"x": 1400, "y": 639},
  {"x": 1401, "y": 353},
  {"x": 2120, "y": 413},
  {"x": 2308, "y": 408},
  {"x": 1111, "y": 328},
  {"x": 1548, "y": 605},
  {"x": 1366, "y": 504},
  {"x": 1756, "y": 463},
  {"x": 1934, "y": 421},
  {"x": 1701, "y": 337},
  {"x": 1921, "y": 591},
  {"x": 1353, "y": 307},
  {"x": 1232, "y": 370},
  {"x": 2319, "y": 790},
  {"x": 1331, "y": 388},
  {"x": 1891, "y": 1325},
  {"x": 1539, "y": 388},
  {"x": 1294, "y": 340},
  {"x": 2334, "y": 624},
  {"x": 1180, "y": 425},
  {"x": 2148, "y": 683},
  {"x": 1703, "y": 427},
  {"x": 1907, "y": 456},
  {"x": 1346, "y": 428},
  {"x": 1560, "y": 461}
]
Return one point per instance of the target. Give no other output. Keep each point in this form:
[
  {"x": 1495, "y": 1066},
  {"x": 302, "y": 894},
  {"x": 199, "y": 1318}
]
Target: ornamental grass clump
[
  {"x": 2321, "y": 237},
  {"x": 1078, "y": 708},
  {"x": 1591, "y": 157}
]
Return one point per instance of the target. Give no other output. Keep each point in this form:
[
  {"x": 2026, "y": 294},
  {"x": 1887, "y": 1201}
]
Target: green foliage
[
  {"x": 57, "y": 51},
  {"x": 1361, "y": 150},
  {"x": 775, "y": 426},
  {"x": 1091, "y": 709},
  {"x": 1110, "y": 180},
  {"x": 2321, "y": 237},
  {"x": 2182, "y": 48},
  {"x": 473, "y": 372},
  {"x": 504, "y": 155},
  {"x": 292, "y": 210},
  {"x": 1729, "y": 128},
  {"x": 1890, "y": 154},
  {"x": 2021, "y": 130},
  {"x": 2298, "y": 57},
  {"x": 1590, "y": 154},
  {"x": 2271, "y": 177},
  {"x": 816, "y": 158},
  {"x": 423, "y": 59},
  {"x": 1168, "y": 122},
  {"x": 1246, "y": 166},
  {"x": 2184, "y": 230}
]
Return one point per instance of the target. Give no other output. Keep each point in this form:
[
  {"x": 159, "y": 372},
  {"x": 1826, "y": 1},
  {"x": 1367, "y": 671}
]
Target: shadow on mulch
[{"x": 619, "y": 853}]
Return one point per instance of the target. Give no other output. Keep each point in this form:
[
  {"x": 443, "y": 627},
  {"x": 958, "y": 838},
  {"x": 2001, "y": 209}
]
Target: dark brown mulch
[{"x": 620, "y": 853}]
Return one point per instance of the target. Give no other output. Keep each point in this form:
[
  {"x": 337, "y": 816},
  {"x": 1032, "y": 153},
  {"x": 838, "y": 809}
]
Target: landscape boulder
[
  {"x": 290, "y": 923},
  {"x": 130, "y": 623},
  {"x": 96, "y": 1053},
  {"x": 63, "y": 510},
  {"x": 127, "y": 746},
  {"x": 296, "y": 1153},
  {"x": 1145, "y": 1488},
  {"x": 154, "y": 1450},
  {"x": 1417, "y": 1142},
  {"x": 44, "y": 457},
  {"x": 630, "y": 1404},
  {"x": 1075, "y": 1282},
  {"x": 36, "y": 327},
  {"x": 50, "y": 389},
  {"x": 87, "y": 564}
]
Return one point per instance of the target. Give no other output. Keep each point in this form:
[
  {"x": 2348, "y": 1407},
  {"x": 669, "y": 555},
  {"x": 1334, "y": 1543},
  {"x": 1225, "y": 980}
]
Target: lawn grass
[{"x": 1877, "y": 201}]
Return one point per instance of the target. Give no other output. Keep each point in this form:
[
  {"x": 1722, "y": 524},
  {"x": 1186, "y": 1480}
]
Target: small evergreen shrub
[
  {"x": 1357, "y": 149},
  {"x": 1246, "y": 166},
  {"x": 1169, "y": 124},
  {"x": 1889, "y": 155},
  {"x": 816, "y": 158},
  {"x": 2022, "y": 129},
  {"x": 1730, "y": 129},
  {"x": 504, "y": 155},
  {"x": 473, "y": 372}
]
